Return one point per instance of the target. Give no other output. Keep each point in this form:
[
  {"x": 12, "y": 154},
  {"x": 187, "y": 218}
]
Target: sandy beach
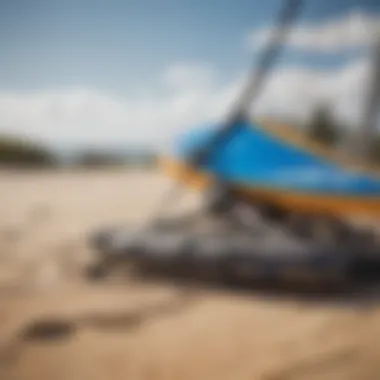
[{"x": 134, "y": 330}]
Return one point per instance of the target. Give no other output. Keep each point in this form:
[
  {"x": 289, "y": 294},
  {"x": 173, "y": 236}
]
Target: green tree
[
  {"x": 95, "y": 158},
  {"x": 374, "y": 153},
  {"x": 323, "y": 127},
  {"x": 20, "y": 152}
]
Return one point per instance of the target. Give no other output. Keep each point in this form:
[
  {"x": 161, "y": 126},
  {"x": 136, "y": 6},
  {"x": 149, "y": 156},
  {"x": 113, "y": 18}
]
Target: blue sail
[{"x": 254, "y": 157}]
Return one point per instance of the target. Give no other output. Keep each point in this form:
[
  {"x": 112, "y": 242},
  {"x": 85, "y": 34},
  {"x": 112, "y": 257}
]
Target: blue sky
[
  {"x": 119, "y": 45},
  {"x": 122, "y": 48}
]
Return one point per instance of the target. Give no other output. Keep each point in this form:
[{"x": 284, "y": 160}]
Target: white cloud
[
  {"x": 294, "y": 92},
  {"x": 81, "y": 115},
  {"x": 354, "y": 30},
  {"x": 193, "y": 94}
]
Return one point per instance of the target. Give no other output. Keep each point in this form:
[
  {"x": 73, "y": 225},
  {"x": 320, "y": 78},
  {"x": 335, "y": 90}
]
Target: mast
[{"x": 371, "y": 106}]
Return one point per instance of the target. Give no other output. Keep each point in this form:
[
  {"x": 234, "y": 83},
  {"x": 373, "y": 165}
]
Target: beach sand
[{"x": 134, "y": 330}]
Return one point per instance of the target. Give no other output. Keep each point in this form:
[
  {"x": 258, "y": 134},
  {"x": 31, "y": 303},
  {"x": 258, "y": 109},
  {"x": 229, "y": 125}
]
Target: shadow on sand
[{"x": 351, "y": 293}]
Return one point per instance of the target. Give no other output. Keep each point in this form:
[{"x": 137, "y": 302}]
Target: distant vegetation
[
  {"x": 16, "y": 151},
  {"x": 374, "y": 154},
  {"x": 324, "y": 128},
  {"x": 97, "y": 159},
  {"x": 102, "y": 158}
]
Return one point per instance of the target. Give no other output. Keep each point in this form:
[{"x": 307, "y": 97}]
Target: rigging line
[{"x": 285, "y": 19}]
